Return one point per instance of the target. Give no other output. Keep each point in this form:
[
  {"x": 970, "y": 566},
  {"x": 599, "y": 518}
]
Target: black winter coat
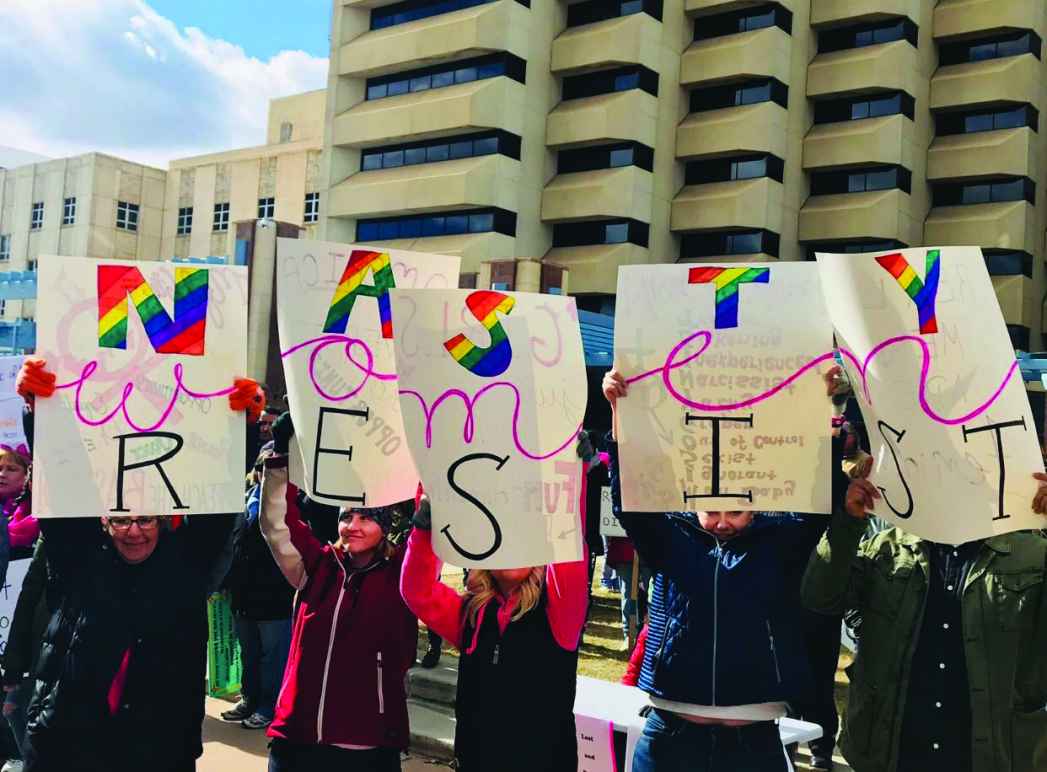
[
  {"x": 257, "y": 588},
  {"x": 156, "y": 610}
]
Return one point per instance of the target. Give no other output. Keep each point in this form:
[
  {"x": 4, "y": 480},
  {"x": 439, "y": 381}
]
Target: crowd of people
[{"x": 737, "y": 625}]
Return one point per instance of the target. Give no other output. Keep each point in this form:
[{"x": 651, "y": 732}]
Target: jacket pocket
[
  {"x": 1029, "y": 741},
  {"x": 381, "y": 693},
  {"x": 1017, "y": 599}
]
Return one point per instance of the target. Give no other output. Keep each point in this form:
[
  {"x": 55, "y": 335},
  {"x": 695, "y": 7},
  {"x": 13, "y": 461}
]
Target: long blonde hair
[{"x": 480, "y": 587}]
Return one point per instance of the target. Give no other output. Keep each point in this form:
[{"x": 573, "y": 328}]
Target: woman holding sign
[{"x": 518, "y": 630}]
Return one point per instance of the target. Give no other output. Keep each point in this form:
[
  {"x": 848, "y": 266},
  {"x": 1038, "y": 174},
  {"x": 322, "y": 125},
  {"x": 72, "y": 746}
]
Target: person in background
[
  {"x": 620, "y": 554},
  {"x": 261, "y": 600},
  {"x": 343, "y": 703},
  {"x": 518, "y": 632},
  {"x": 120, "y": 677},
  {"x": 15, "y": 501}
]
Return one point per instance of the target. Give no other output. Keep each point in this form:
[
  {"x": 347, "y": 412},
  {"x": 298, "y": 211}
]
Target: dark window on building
[
  {"x": 1008, "y": 262},
  {"x": 437, "y": 224},
  {"x": 609, "y": 81},
  {"x": 443, "y": 149},
  {"x": 862, "y": 35},
  {"x": 984, "y": 191},
  {"x": 552, "y": 280},
  {"x": 746, "y": 20},
  {"x": 855, "y": 247},
  {"x": 312, "y": 208},
  {"x": 503, "y": 275},
  {"x": 185, "y": 221},
  {"x": 600, "y": 10},
  {"x": 36, "y": 216},
  {"x": 1019, "y": 337},
  {"x": 861, "y": 180},
  {"x": 126, "y": 216},
  {"x": 736, "y": 242},
  {"x": 587, "y": 159},
  {"x": 69, "y": 211},
  {"x": 412, "y": 10},
  {"x": 266, "y": 208},
  {"x": 974, "y": 121},
  {"x": 746, "y": 93},
  {"x": 580, "y": 234},
  {"x": 995, "y": 47},
  {"x": 467, "y": 280},
  {"x": 5, "y": 247},
  {"x": 221, "y": 217},
  {"x": 862, "y": 107},
  {"x": 450, "y": 74},
  {"x": 744, "y": 167}
]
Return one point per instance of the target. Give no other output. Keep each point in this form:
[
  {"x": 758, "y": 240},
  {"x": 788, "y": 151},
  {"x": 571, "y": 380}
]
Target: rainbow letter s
[
  {"x": 493, "y": 360},
  {"x": 361, "y": 262},
  {"x": 185, "y": 335}
]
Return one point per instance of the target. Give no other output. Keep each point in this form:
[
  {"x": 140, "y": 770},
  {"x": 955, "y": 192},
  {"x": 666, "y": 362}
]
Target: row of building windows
[
  {"x": 983, "y": 191},
  {"x": 872, "y": 34},
  {"x": 974, "y": 121},
  {"x": 748, "y": 92},
  {"x": 592, "y": 11},
  {"x": 449, "y": 74},
  {"x": 861, "y": 180},
  {"x": 605, "y": 157},
  {"x": 412, "y": 10},
  {"x": 126, "y": 214},
  {"x": 744, "y": 167},
  {"x": 731, "y": 242},
  {"x": 746, "y": 20},
  {"x": 443, "y": 149},
  {"x": 580, "y": 234},
  {"x": 996, "y": 47},
  {"x": 859, "y": 108},
  {"x": 220, "y": 223},
  {"x": 491, "y": 220},
  {"x": 610, "y": 81}
]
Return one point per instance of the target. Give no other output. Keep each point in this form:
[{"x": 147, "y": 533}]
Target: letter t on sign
[{"x": 727, "y": 282}]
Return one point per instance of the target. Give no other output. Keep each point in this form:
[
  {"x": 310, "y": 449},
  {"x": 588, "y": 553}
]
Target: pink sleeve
[
  {"x": 567, "y": 596},
  {"x": 23, "y": 529},
  {"x": 432, "y": 601}
]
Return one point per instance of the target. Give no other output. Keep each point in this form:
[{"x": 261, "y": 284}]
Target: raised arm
[{"x": 432, "y": 601}]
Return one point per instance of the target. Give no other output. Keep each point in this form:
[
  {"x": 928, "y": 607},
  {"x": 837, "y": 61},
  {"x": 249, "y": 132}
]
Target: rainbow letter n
[
  {"x": 922, "y": 293},
  {"x": 727, "y": 282},
  {"x": 185, "y": 335},
  {"x": 361, "y": 262}
]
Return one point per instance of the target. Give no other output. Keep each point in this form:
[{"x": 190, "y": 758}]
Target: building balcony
[
  {"x": 448, "y": 185},
  {"x": 1017, "y": 296},
  {"x": 987, "y": 153},
  {"x": 760, "y": 53},
  {"x": 825, "y": 13},
  {"x": 750, "y": 128},
  {"x": 886, "y": 140},
  {"x": 603, "y": 193},
  {"x": 1013, "y": 79},
  {"x": 888, "y": 66},
  {"x": 625, "y": 115},
  {"x": 1004, "y": 225},
  {"x": 879, "y": 214},
  {"x": 496, "y": 103},
  {"x": 473, "y": 248},
  {"x": 594, "y": 268},
  {"x": 968, "y": 17},
  {"x": 634, "y": 39},
  {"x": 708, "y": 7},
  {"x": 739, "y": 204},
  {"x": 483, "y": 29}
]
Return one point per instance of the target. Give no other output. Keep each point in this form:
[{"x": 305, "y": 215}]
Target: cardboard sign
[
  {"x": 595, "y": 744},
  {"x": 11, "y": 433},
  {"x": 16, "y": 571},
  {"x": 492, "y": 389},
  {"x": 924, "y": 343},
  {"x": 336, "y": 338},
  {"x": 145, "y": 355},
  {"x": 609, "y": 525},
  {"x": 726, "y": 407}
]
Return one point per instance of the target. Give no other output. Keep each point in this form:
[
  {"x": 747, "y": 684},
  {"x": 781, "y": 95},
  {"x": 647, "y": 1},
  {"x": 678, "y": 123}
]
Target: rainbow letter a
[
  {"x": 184, "y": 335},
  {"x": 361, "y": 262}
]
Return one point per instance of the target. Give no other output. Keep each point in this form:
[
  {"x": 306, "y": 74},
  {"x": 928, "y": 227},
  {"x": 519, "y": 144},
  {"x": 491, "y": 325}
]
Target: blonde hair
[
  {"x": 480, "y": 587},
  {"x": 15, "y": 458}
]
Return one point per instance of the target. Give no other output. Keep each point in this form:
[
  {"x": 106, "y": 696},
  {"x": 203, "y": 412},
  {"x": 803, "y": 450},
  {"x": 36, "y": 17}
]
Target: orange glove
[
  {"x": 248, "y": 396},
  {"x": 34, "y": 380}
]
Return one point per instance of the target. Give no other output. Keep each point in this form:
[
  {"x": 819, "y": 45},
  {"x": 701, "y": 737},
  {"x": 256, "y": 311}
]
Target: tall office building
[{"x": 548, "y": 143}]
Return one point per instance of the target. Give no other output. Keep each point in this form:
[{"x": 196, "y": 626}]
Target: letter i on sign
[{"x": 494, "y": 359}]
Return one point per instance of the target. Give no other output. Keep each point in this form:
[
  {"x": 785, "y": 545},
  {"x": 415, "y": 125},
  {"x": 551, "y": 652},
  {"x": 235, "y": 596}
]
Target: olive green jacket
[{"x": 1004, "y": 610}]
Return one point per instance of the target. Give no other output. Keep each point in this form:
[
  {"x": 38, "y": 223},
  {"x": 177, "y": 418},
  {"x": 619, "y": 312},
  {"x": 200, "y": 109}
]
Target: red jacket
[
  {"x": 353, "y": 637},
  {"x": 632, "y": 673}
]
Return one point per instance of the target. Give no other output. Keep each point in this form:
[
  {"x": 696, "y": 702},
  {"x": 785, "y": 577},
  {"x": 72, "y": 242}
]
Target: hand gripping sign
[
  {"x": 493, "y": 392},
  {"x": 336, "y": 337},
  {"x": 726, "y": 408},
  {"x": 145, "y": 354},
  {"x": 923, "y": 341}
]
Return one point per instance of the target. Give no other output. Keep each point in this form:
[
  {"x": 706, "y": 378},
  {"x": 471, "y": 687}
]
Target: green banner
[{"x": 224, "y": 667}]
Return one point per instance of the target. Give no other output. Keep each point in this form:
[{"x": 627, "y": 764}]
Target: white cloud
[{"x": 116, "y": 77}]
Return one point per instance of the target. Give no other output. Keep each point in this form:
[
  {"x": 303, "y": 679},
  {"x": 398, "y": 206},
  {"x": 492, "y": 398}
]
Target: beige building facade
[{"x": 548, "y": 143}]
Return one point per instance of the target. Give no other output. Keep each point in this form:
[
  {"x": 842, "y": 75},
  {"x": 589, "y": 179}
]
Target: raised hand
[
  {"x": 861, "y": 496},
  {"x": 35, "y": 380}
]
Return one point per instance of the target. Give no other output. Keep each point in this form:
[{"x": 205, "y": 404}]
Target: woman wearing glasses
[{"x": 120, "y": 677}]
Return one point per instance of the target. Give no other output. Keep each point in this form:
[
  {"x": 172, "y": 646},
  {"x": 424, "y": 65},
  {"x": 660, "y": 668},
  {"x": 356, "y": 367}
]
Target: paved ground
[{"x": 229, "y": 748}]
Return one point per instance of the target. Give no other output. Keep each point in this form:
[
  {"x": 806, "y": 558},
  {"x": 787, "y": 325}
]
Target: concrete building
[
  {"x": 279, "y": 180},
  {"x": 547, "y": 143}
]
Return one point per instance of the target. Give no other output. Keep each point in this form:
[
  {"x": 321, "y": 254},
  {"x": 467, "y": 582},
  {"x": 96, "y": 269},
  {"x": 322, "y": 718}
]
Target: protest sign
[
  {"x": 595, "y": 744},
  {"x": 145, "y": 355},
  {"x": 609, "y": 525},
  {"x": 336, "y": 338},
  {"x": 924, "y": 343},
  {"x": 726, "y": 407},
  {"x": 11, "y": 433},
  {"x": 492, "y": 389},
  {"x": 16, "y": 571},
  {"x": 224, "y": 663}
]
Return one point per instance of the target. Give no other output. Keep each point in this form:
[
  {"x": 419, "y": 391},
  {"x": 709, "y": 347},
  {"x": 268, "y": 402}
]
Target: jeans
[
  {"x": 625, "y": 573},
  {"x": 263, "y": 651},
  {"x": 672, "y": 744},
  {"x": 16, "y": 702},
  {"x": 286, "y": 756}
]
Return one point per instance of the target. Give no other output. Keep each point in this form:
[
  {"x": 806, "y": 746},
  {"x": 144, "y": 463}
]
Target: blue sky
[{"x": 263, "y": 28}]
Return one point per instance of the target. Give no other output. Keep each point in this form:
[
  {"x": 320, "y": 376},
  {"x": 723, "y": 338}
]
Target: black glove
[
  {"x": 283, "y": 431},
  {"x": 423, "y": 515},
  {"x": 585, "y": 446}
]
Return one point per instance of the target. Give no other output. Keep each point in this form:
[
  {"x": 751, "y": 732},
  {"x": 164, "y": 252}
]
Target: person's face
[
  {"x": 12, "y": 478},
  {"x": 265, "y": 426},
  {"x": 725, "y": 525},
  {"x": 359, "y": 534},
  {"x": 508, "y": 579},
  {"x": 134, "y": 538}
]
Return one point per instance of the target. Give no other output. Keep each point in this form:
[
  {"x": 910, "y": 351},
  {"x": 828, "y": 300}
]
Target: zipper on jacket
[
  {"x": 494, "y": 659},
  {"x": 330, "y": 649},
  {"x": 381, "y": 695},
  {"x": 716, "y": 610},
  {"x": 774, "y": 652}
]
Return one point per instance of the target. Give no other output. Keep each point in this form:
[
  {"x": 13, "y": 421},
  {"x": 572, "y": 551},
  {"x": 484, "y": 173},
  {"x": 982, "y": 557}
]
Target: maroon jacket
[{"x": 353, "y": 637}]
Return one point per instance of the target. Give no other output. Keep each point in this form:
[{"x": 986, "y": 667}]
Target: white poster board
[
  {"x": 16, "y": 571},
  {"x": 336, "y": 339},
  {"x": 12, "y": 434},
  {"x": 595, "y": 744},
  {"x": 492, "y": 388},
  {"x": 145, "y": 355},
  {"x": 726, "y": 407},
  {"x": 924, "y": 343},
  {"x": 609, "y": 525}
]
